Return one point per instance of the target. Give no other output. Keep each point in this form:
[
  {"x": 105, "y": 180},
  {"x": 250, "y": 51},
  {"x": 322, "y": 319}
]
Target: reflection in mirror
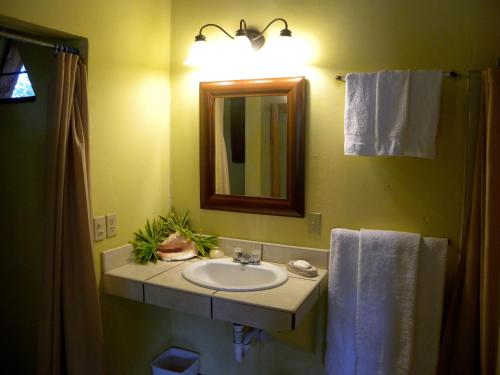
[{"x": 251, "y": 146}]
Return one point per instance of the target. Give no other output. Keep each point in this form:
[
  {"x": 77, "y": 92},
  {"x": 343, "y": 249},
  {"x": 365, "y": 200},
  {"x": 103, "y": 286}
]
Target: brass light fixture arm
[
  {"x": 255, "y": 36},
  {"x": 202, "y": 37},
  {"x": 243, "y": 25},
  {"x": 273, "y": 21}
]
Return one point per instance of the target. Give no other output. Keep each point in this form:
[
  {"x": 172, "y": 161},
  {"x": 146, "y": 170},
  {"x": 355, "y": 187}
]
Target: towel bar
[{"x": 451, "y": 74}]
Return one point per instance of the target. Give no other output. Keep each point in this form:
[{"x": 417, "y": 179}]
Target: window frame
[{"x": 24, "y": 99}]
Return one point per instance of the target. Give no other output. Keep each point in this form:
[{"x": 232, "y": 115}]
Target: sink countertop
[{"x": 162, "y": 284}]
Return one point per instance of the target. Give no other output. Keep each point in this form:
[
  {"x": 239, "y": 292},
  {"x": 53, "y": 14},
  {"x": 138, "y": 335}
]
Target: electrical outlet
[
  {"x": 111, "y": 225},
  {"x": 99, "y": 228},
  {"x": 314, "y": 219}
]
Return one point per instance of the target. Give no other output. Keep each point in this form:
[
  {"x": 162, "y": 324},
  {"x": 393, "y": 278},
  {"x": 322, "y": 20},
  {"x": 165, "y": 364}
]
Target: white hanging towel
[
  {"x": 392, "y": 113},
  {"x": 385, "y": 301},
  {"x": 340, "y": 358},
  {"x": 430, "y": 291},
  {"x": 385, "y": 310}
]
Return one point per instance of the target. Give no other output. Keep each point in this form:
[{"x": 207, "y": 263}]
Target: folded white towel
[
  {"x": 392, "y": 113},
  {"x": 359, "y": 115},
  {"x": 385, "y": 312},
  {"x": 423, "y": 114},
  {"x": 340, "y": 355}
]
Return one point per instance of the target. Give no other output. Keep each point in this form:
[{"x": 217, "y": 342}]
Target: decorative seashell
[
  {"x": 179, "y": 255},
  {"x": 176, "y": 247},
  {"x": 174, "y": 242}
]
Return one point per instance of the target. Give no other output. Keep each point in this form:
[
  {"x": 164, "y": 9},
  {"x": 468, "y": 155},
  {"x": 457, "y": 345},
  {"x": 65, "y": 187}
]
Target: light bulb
[
  {"x": 198, "y": 54},
  {"x": 286, "y": 47},
  {"x": 242, "y": 48}
]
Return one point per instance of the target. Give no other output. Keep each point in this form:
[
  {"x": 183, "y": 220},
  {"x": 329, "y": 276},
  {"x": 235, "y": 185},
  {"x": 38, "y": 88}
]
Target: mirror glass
[{"x": 252, "y": 146}]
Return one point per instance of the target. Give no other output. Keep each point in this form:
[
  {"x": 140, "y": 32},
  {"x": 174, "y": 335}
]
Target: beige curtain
[
  {"x": 70, "y": 339},
  {"x": 221, "y": 166},
  {"x": 470, "y": 335}
]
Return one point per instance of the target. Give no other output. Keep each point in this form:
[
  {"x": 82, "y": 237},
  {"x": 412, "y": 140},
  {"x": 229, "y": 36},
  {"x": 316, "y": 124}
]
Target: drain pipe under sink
[{"x": 242, "y": 340}]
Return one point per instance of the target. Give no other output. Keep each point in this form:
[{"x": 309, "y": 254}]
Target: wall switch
[
  {"x": 111, "y": 225},
  {"x": 99, "y": 228},
  {"x": 314, "y": 219}
]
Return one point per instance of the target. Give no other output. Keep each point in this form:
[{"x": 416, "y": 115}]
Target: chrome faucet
[{"x": 239, "y": 256}]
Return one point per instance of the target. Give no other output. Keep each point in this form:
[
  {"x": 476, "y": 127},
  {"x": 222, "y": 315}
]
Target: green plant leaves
[{"x": 146, "y": 240}]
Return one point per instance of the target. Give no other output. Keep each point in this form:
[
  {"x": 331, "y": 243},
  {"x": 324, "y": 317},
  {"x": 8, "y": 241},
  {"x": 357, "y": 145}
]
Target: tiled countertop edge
[
  {"x": 271, "y": 252},
  {"x": 124, "y": 278}
]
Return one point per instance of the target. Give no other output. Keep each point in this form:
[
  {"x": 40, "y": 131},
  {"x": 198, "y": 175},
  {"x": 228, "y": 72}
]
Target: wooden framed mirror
[{"x": 252, "y": 146}]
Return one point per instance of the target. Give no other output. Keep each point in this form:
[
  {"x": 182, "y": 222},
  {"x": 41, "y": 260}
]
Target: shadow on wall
[
  {"x": 135, "y": 336},
  {"x": 23, "y": 164},
  {"x": 296, "y": 352}
]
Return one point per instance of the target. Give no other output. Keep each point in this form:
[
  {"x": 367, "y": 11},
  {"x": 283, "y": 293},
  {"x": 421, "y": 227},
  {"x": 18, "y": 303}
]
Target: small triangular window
[{"x": 15, "y": 84}]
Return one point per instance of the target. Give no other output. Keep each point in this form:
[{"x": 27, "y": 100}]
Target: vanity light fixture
[{"x": 245, "y": 40}]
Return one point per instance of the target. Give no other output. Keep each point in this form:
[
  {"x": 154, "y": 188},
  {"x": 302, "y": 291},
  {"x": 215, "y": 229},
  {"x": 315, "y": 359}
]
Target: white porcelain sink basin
[{"x": 224, "y": 274}]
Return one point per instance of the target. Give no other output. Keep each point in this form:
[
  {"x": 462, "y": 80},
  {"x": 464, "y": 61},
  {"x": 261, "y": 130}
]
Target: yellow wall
[
  {"x": 253, "y": 144},
  {"x": 129, "y": 53},
  {"x": 406, "y": 194},
  {"x": 385, "y": 193}
]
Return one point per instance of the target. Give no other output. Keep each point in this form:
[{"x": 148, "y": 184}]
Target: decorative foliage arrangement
[{"x": 147, "y": 240}]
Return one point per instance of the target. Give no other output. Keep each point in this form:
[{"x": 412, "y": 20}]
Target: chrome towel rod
[
  {"x": 451, "y": 74},
  {"x": 26, "y": 39}
]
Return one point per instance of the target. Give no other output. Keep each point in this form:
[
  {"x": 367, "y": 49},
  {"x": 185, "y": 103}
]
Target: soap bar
[
  {"x": 216, "y": 253},
  {"x": 306, "y": 272},
  {"x": 301, "y": 264}
]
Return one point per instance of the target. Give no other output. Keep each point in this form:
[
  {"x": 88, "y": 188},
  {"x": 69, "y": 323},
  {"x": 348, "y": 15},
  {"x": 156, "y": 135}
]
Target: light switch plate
[
  {"x": 111, "y": 225},
  {"x": 99, "y": 228},
  {"x": 314, "y": 219}
]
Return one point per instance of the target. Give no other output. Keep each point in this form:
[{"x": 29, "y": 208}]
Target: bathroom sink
[{"x": 224, "y": 274}]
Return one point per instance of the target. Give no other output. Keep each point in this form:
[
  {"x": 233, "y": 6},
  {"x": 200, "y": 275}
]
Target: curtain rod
[
  {"x": 25, "y": 39},
  {"x": 450, "y": 74}
]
